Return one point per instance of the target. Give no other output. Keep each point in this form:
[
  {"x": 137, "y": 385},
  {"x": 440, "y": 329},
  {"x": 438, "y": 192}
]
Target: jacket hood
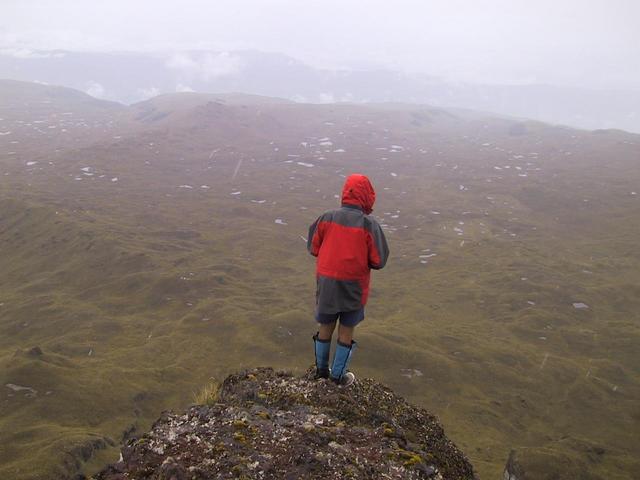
[{"x": 358, "y": 191}]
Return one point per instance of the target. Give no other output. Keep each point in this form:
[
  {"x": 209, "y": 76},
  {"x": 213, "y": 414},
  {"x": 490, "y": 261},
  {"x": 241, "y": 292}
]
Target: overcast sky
[{"x": 591, "y": 43}]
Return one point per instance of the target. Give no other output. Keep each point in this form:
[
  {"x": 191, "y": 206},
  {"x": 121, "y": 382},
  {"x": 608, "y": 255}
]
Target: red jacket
[{"x": 348, "y": 243}]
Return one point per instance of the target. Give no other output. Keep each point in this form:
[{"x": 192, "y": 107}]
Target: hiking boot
[{"x": 345, "y": 380}]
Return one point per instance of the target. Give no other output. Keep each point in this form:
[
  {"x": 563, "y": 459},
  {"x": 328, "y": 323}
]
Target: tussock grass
[{"x": 209, "y": 394}]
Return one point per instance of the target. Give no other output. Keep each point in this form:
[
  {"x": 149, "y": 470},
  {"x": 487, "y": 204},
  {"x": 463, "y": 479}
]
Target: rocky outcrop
[{"x": 273, "y": 425}]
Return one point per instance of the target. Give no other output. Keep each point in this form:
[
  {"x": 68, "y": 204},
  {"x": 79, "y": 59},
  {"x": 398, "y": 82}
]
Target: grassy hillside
[{"x": 145, "y": 258}]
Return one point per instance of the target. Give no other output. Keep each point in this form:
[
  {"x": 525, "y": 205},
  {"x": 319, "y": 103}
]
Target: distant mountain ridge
[{"x": 277, "y": 75}]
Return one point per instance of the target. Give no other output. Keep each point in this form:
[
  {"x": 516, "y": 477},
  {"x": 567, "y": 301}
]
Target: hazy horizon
[{"x": 556, "y": 43}]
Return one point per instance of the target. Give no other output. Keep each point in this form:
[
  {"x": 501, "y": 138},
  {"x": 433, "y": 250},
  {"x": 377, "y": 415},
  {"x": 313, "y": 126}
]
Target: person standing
[{"x": 348, "y": 243}]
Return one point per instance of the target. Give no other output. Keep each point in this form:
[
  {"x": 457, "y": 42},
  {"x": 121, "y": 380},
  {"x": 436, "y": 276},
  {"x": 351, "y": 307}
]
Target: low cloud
[
  {"x": 205, "y": 66},
  {"x": 28, "y": 53},
  {"x": 326, "y": 97},
  {"x": 329, "y": 97},
  {"x": 183, "y": 88},
  {"x": 96, "y": 90},
  {"x": 149, "y": 92}
]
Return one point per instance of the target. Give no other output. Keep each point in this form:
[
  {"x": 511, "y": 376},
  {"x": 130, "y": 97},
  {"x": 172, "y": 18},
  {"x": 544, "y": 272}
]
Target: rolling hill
[
  {"x": 149, "y": 248},
  {"x": 277, "y": 75}
]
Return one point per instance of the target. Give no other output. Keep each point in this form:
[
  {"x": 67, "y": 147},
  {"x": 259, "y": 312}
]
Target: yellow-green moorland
[{"x": 149, "y": 249}]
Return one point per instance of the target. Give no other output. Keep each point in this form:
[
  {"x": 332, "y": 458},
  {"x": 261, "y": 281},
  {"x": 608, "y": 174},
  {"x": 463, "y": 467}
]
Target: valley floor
[{"x": 150, "y": 248}]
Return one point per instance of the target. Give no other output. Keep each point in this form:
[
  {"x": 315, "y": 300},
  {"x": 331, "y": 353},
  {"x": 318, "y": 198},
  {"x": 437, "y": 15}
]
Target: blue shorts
[{"x": 348, "y": 319}]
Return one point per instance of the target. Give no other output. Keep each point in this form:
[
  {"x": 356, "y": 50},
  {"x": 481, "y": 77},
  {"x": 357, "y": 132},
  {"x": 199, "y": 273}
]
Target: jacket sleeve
[
  {"x": 377, "y": 246},
  {"x": 314, "y": 239}
]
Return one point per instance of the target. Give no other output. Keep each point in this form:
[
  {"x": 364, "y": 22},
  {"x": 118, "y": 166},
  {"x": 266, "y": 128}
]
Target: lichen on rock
[{"x": 273, "y": 425}]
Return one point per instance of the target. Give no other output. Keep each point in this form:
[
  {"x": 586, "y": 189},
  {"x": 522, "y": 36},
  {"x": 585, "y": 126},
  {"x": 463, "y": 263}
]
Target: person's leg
[
  {"x": 345, "y": 347},
  {"x": 322, "y": 343},
  {"x": 345, "y": 334},
  {"x": 339, "y": 370},
  {"x": 325, "y": 332}
]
